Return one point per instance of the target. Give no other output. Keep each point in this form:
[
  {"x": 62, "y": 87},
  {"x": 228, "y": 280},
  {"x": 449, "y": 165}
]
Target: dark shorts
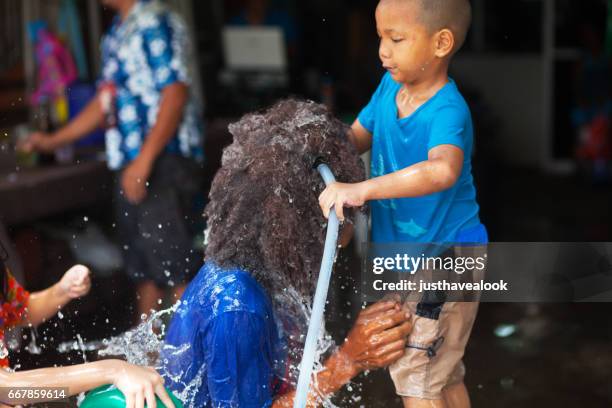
[{"x": 157, "y": 235}]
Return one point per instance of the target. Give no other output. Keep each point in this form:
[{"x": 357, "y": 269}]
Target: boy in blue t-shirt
[{"x": 419, "y": 130}]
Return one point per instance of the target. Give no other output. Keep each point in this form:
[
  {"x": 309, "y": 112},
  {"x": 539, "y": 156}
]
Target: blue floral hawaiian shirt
[{"x": 141, "y": 55}]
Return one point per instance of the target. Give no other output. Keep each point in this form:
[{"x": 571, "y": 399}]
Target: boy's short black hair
[
  {"x": 263, "y": 214},
  {"x": 455, "y": 15}
]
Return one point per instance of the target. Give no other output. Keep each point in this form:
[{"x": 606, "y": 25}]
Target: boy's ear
[{"x": 445, "y": 43}]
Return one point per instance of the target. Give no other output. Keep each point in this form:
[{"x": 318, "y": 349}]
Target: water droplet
[{"x": 505, "y": 330}]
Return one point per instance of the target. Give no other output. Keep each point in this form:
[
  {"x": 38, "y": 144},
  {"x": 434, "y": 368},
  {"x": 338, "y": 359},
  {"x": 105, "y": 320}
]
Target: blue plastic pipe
[{"x": 318, "y": 304}]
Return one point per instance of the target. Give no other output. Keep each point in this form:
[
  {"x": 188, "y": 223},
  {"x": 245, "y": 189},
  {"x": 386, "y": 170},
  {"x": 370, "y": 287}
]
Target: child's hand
[
  {"x": 75, "y": 282},
  {"x": 139, "y": 385},
  {"x": 341, "y": 195}
]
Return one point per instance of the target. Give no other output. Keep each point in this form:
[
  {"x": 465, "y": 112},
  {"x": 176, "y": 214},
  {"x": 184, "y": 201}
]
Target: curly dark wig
[{"x": 263, "y": 214}]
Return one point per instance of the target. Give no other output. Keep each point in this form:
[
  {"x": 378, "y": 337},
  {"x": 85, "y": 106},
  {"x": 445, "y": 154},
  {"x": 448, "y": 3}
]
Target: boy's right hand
[
  {"x": 139, "y": 384},
  {"x": 38, "y": 142},
  {"x": 340, "y": 195},
  {"x": 379, "y": 336}
]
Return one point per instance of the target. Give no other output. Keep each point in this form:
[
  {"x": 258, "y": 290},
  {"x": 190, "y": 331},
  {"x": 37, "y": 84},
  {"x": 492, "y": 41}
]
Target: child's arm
[
  {"x": 138, "y": 384},
  {"x": 44, "y": 304},
  {"x": 360, "y": 137},
  {"x": 438, "y": 173}
]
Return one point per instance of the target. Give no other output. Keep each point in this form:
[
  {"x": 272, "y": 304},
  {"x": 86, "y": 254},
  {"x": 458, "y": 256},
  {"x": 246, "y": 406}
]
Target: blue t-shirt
[
  {"x": 446, "y": 216},
  {"x": 223, "y": 347}
]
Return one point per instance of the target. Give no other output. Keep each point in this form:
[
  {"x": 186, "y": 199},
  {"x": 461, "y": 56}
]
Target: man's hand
[
  {"x": 134, "y": 180},
  {"x": 38, "y": 142},
  {"x": 378, "y": 337},
  {"x": 340, "y": 195}
]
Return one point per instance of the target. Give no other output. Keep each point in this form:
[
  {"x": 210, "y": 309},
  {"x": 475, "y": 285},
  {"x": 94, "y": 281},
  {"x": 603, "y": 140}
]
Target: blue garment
[
  {"x": 398, "y": 143},
  {"x": 141, "y": 55},
  {"x": 477, "y": 235},
  {"x": 224, "y": 340}
]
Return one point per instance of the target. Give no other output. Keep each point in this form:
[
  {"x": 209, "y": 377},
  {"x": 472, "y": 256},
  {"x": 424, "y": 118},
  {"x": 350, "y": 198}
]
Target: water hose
[{"x": 318, "y": 304}]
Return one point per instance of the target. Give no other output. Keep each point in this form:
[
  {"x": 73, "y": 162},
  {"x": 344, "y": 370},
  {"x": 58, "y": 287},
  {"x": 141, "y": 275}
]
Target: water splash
[
  {"x": 141, "y": 345},
  {"x": 3, "y": 350},
  {"x": 33, "y": 347},
  {"x": 293, "y": 314}
]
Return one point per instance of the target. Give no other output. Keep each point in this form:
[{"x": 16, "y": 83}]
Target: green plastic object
[{"x": 108, "y": 396}]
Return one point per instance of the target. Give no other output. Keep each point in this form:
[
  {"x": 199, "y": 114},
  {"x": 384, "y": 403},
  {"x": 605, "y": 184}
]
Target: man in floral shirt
[{"x": 153, "y": 142}]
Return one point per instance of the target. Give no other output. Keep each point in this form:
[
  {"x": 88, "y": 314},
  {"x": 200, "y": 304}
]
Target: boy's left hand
[
  {"x": 340, "y": 195},
  {"x": 75, "y": 282}
]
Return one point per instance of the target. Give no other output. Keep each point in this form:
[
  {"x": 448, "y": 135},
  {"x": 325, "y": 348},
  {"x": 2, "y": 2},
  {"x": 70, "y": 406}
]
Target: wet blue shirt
[
  {"x": 223, "y": 347},
  {"x": 142, "y": 55},
  {"x": 446, "y": 216}
]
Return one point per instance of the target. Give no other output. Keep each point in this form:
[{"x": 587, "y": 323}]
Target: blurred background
[{"x": 536, "y": 74}]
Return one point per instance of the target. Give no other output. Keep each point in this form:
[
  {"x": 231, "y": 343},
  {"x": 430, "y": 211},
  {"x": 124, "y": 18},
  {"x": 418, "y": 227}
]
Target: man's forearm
[
  {"x": 170, "y": 114},
  {"x": 86, "y": 121}
]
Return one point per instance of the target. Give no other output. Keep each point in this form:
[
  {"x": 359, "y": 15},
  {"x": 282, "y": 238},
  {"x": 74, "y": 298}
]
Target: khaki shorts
[{"x": 440, "y": 332}]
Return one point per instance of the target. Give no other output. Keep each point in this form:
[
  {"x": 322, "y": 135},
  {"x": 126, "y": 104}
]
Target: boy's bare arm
[
  {"x": 360, "y": 137},
  {"x": 438, "y": 173},
  {"x": 138, "y": 384}
]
